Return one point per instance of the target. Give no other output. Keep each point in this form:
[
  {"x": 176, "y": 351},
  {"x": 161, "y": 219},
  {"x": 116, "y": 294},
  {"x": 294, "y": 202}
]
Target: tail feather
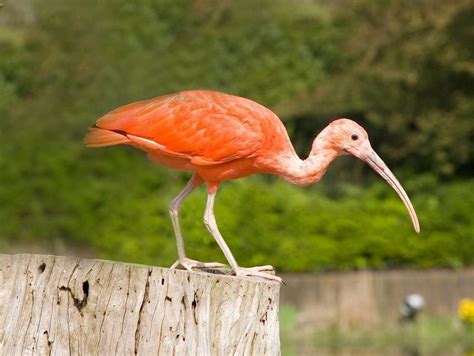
[{"x": 97, "y": 137}]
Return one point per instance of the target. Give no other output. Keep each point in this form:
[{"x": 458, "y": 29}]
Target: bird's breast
[
  {"x": 235, "y": 169},
  {"x": 179, "y": 163}
]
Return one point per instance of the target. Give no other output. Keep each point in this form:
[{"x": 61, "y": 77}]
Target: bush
[
  {"x": 116, "y": 202},
  {"x": 65, "y": 63}
]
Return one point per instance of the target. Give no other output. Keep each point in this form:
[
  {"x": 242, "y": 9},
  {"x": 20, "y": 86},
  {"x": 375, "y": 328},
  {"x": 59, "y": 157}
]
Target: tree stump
[{"x": 73, "y": 306}]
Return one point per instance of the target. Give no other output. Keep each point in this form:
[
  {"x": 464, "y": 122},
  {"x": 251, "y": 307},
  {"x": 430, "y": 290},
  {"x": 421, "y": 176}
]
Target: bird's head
[{"x": 348, "y": 137}]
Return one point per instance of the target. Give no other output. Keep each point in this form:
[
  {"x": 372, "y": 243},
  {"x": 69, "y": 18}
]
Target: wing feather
[{"x": 206, "y": 127}]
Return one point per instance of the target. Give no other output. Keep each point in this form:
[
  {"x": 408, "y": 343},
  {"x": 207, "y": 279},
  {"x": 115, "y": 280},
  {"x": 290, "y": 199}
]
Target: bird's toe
[
  {"x": 255, "y": 272},
  {"x": 265, "y": 268},
  {"x": 191, "y": 265}
]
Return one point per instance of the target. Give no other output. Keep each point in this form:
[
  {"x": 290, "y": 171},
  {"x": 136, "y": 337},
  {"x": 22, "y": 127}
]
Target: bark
[{"x": 73, "y": 306}]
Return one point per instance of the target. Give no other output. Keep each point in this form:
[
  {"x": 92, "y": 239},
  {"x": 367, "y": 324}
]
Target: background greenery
[
  {"x": 402, "y": 69},
  {"x": 428, "y": 335}
]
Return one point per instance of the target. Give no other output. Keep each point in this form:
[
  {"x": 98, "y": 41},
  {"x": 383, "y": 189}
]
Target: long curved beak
[{"x": 374, "y": 161}]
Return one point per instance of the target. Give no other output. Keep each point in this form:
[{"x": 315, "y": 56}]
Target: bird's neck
[{"x": 308, "y": 171}]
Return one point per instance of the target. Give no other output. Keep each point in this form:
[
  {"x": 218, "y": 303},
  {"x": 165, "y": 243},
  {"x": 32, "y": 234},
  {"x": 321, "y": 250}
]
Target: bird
[{"x": 219, "y": 137}]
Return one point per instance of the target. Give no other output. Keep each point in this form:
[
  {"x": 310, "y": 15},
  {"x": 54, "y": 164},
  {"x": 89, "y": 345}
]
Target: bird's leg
[
  {"x": 187, "y": 263},
  {"x": 211, "y": 224}
]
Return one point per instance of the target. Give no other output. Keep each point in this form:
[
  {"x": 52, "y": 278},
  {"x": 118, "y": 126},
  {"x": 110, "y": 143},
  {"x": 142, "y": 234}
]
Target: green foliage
[
  {"x": 287, "y": 318},
  {"x": 84, "y": 199},
  {"x": 429, "y": 335},
  {"x": 409, "y": 77},
  {"x": 62, "y": 64}
]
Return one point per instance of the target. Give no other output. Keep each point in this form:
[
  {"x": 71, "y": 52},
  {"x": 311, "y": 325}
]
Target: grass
[
  {"x": 287, "y": 328},
  {"x": 429, "y": 335}
]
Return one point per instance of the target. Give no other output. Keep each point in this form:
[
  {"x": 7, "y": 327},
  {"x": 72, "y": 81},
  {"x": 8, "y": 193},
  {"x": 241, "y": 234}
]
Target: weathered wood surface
[{"x": 73, "y": 306}]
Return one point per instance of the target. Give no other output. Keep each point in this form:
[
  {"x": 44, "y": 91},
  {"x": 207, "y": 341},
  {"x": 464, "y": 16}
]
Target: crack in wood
[
  {"x": 129, "y": 278},
  {"x": 140, "y": 310},
  {"x": 190, "y": 313},
  {"x": 42, "y": 267},
  {"x": 78, "y": 303},
  {"x": 194, "y": 304},
  {"x": 47, "y": 337},
  {"x": 109, "y": 281}
]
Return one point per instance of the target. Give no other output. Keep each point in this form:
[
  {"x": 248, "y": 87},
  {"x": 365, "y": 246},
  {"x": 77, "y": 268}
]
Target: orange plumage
[
  {"x": 219, "y": 137},
  {"x": 197, "y": 129}
]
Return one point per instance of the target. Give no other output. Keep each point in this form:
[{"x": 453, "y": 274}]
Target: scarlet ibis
[{"x": 218, "y": 137}]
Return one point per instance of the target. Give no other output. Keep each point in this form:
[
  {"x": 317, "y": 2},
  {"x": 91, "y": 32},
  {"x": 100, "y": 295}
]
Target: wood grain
[{"x": 72, "y": 306}]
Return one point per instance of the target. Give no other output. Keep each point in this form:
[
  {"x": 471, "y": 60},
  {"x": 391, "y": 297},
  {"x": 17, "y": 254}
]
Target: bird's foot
[
  {"x": 266, "y": 272},
  {"x": 191, "y": 265}
]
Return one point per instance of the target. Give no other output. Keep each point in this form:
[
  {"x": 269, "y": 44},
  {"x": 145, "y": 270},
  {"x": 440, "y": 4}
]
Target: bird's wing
[{"x": 206, "y": 127}]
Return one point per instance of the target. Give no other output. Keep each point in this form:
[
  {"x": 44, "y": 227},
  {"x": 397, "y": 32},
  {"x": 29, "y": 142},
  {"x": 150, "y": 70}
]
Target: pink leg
[
  {"x": 174, "y": 214},
  {"x": 211, "y": 224}
]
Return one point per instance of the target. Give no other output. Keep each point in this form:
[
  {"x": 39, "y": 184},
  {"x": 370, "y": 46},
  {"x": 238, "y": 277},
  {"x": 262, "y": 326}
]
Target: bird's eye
[{"x": 354, "y": 137}]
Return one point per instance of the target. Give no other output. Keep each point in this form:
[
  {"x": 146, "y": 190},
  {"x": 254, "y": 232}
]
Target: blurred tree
[
  {"x": 408, "y": 75},
  {"x": 404, "y": 69}
]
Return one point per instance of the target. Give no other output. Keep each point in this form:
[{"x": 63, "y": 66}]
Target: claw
[
  {"x": 191, "y": 265},
  {"x": 266, "y": 272},
  {"x": 267, "y": 268}
]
